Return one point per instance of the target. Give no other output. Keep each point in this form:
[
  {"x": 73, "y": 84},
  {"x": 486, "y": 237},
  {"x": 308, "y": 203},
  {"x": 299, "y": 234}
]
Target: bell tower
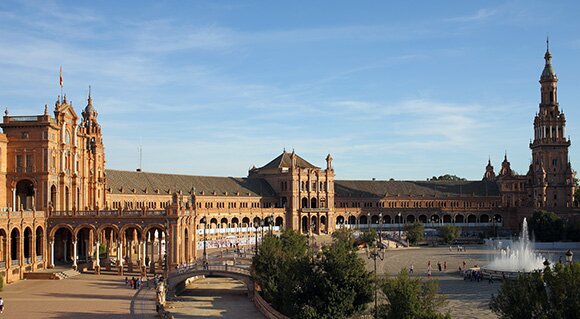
[
  {"x": 550, "y": 175},
  {"x": 94, "y": 157}
]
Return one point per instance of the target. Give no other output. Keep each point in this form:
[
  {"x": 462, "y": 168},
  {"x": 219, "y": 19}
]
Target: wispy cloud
[{"x": 478, "y": 16}]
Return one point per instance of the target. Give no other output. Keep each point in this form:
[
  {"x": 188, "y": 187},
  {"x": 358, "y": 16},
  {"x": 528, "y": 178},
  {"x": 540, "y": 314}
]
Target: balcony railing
[
  {"x": 23, "y": 118},
  {"x": 39, "y": 258},
  {"x": 27, "y": 260},
  {"x": 2, "y": 264},
  {"x": 15, "y": 262},
  {"x": 108, "y": 213}
]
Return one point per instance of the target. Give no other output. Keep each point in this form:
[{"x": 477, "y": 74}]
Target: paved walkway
[
  {"x": 214, "y": 298},
  {"x": 85, "y": 296},
  {"x": 465, "y": 299},
  {"x": 143, "y": 303}
]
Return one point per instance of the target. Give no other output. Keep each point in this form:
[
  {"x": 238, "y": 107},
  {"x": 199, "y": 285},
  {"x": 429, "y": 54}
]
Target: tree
[
  {"x": 332, "y": 283},
  {"x": 449, "y": 233},
  {"x": 410, "y": 298},
  {"x": 546, "y": 226},
  {"x": 446, "y": 177},
  {"x": 340, "y": 286},
  {"x": 279, "y": 268},
  {"x": 369, "y": 238},
  {"x": 551, "y": 293},
  {"x": 415, "y": 232}
]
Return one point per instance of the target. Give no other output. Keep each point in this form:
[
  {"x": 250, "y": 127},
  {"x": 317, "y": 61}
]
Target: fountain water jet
[{"x": 519, "y": 258}]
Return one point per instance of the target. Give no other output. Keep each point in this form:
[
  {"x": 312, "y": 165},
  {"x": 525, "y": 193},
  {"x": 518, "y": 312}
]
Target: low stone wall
[
  {"x": 265, "y": 307},
  {"x": 179, "y": 288}
]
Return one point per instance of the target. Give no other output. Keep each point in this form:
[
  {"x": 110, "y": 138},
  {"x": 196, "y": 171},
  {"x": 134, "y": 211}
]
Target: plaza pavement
[
  {"x": 84, "y": 296},
  {"x": 465, "y": 299},
  {"x": 214, "y": 297}
]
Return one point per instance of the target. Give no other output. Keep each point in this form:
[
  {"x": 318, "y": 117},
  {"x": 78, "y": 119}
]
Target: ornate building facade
[{"x": 61, "y": 205}]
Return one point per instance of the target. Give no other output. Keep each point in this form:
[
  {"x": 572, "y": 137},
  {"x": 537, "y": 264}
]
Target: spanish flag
[{"x": 61, "y": 77}]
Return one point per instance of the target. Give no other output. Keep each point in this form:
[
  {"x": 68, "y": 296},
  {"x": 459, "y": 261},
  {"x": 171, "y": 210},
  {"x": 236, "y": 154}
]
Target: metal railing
[
  {"x": 15, "y": 262},
  {"x": 2, "y": 264},
  {"x": 23, "y": 118},
  {"x": 27, "y": 260},
  {"x": 39, "y": 258},
  {"x": 225, "y": 268}
]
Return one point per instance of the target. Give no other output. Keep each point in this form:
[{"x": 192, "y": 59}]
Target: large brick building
[{"x": 60, "y": 203}]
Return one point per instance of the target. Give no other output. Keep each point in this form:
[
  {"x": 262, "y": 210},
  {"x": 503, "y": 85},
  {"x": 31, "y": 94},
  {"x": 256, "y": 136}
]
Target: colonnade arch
[{"x": 395, "y": 218}]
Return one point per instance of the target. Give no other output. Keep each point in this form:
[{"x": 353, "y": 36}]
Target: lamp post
[
  {"x": 256, "y": 226},
  {"x": 569, "y": 254},
  {"x": 369, "y": 221},
  {"x": 380, "y": 227},
  {"x": 270, "y": 220},
  {"x": 399, "y": 214},
  {"x": 204, "y": 222},
  {"x": 374, "y": 253}
]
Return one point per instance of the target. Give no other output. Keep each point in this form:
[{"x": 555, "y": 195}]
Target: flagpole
[{"x": 61, "y": 93}]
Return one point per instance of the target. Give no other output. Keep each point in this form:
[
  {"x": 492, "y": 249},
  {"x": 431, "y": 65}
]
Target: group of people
[{"x": 134, "y": 283}]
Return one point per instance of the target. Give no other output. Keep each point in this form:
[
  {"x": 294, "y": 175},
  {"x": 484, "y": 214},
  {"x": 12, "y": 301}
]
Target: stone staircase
[
  {"x": 66, "y": 274},
  {"x": 51, "y": 275}
]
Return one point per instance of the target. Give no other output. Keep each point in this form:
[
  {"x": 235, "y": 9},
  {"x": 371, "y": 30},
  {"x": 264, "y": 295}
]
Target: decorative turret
[
  {"x": 506, "y": 169},
  {"x": 328, "y": 161},
  {"x": 89, "y": 113},
  {"x": 489, "y": 173}
]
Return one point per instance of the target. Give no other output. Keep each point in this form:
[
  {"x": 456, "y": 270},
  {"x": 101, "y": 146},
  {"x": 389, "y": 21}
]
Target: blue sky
[{"x": 404, "y": 90}]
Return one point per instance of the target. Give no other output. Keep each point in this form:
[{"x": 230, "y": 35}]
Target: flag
[{"x": 61, "y": 77}]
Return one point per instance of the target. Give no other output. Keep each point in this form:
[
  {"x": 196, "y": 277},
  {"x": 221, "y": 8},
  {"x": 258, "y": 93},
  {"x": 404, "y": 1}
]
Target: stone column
[
  {"x": 64, "y": 250},
  {"x": 98, "y": 260},
  {"x": 120, "y": 256},
  {"x": 74, "y": 254},
  {"x": 52, "y": 253}
]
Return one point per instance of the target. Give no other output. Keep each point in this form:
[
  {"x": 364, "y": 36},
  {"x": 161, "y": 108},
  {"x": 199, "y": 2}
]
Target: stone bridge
[{"x": 178, "y": 279}]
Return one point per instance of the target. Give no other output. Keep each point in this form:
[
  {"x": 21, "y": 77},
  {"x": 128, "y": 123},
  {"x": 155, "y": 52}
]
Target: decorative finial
[
  {"x": 90, "y": 100},
  {"x": 6, "y": 112},
  {"x": 547, "y": 43},
  {"x": 45, "y": 109}
]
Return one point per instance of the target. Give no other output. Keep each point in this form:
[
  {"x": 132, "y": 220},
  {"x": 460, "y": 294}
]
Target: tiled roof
[
  {"x": 351, "y": 188},
  {"x": 285, "y": 160},
  {"x": 145, "y": 182}
]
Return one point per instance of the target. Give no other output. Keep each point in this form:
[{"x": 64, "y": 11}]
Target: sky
[{"x": 392, "y": 89}]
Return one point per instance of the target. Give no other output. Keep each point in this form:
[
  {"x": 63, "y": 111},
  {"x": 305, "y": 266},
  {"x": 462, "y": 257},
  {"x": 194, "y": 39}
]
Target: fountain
[{"x": 520, "y": 258}]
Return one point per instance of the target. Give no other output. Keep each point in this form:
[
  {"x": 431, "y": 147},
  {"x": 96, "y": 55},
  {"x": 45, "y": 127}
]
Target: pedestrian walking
[
  {"x": 439, "y": 265},
  {"x": 445, "y": 265},
  {"x": 411, "y": 269},
  {"x": 1, "y": 305}
]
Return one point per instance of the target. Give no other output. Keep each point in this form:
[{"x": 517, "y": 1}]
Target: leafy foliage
[
  {"x": 447, "y": 177},
  {"x": 331, "y": 284},
  {"x": 449, "y": 233},
  {"x": 410, "y": 298},
  {"x": 552, "y": 293},
  {"x": 546, "y": 226},
  {"x": 415, "y": 232},
  {"x": 369, "y": 238}
]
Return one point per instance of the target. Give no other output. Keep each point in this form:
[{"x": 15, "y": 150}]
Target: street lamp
[
  {"x": 380, "y": 227},
  {"x": 373, "y": 253},
  {"x": 369, "y": 221},
  {"x": 256, "y": 226},
  {"x": 399, "y": 214},
  {"x": 204, "y": 222},
  {"x": 569, "y": 254}
]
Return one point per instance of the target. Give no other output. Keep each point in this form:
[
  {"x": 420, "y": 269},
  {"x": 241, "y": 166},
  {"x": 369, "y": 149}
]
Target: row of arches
[
  {"x": 423, "y": 218},
  {"x": 131, "y": 245},
  {"x": 235, "y": 222},
  {"x": 21, "y": 247},
  {"x": 314, "y": 203}
]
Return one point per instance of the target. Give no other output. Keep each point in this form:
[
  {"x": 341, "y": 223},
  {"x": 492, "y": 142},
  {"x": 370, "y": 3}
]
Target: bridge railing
[{"x": 196, "y": 267}]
